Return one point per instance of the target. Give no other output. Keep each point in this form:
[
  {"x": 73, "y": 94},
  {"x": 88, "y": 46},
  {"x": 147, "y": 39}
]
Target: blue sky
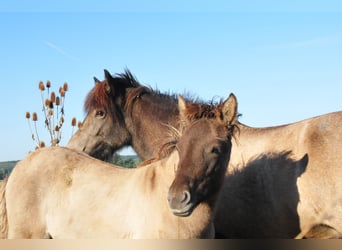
[{"x": 283, "y": 61}]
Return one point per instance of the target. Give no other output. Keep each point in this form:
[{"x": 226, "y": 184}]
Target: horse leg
[
  {"x": 23, "y": 232},
  {"x": 25, "y": 225}
]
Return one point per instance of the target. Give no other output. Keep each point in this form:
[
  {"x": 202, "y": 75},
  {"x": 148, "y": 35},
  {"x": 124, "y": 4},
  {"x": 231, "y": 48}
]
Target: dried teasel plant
[
  {"x": 53, "y": 111},
  {"x": 73, "y": 124}
]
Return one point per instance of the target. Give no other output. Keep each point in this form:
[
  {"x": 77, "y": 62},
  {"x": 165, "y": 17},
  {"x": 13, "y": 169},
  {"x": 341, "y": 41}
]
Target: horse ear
[
  {"x": 108, "y": 81},
  {"x": 97, "y": 81},
  {"x": 108, "y": 75},
  {"x": 229, "y": 110},
  {"x": 181, "y": 106},
  {"x": 114, "y": 85}
]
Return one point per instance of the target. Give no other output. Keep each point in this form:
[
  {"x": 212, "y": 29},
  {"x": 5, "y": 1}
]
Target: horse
[
  {"x": 68, "y": 194},
  {"x": 136, "y": 115}
]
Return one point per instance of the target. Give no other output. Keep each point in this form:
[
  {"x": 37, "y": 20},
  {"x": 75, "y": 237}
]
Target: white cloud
[{"x": 59, "y": 50}]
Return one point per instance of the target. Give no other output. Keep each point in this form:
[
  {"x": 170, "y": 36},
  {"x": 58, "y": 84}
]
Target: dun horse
[
  {"x": 126, "y": 113},
  {"x": 62, "y": 193}
]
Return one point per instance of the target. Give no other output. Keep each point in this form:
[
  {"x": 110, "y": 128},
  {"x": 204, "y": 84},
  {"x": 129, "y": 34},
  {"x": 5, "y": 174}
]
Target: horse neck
[
  {"x": 148, "y": 122},
  {"x": 163, "y": 171}
]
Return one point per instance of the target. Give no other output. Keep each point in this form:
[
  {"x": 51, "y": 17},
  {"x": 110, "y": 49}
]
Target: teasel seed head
[
  {"x": 28, "y": 115},
  {"x": 47, "y": 103},
  {"x": 61, "y": 121},
  {"x": 73, "y": 122},
  {"x": 53, "y": 96},
  {"x": 65, "y": 87},
  {"x": 41, "y": 86},
  {"x": 42, "y": 144},
  {"x": 48, "y": 84},
  {"x": 34, "y": 117},
  {"x": 56, "y": 128},
  {"x": 62, "y": 93},
  {"x": 79, "y": 124},
  {"x": 58, "y": 101},
  {"x": 50, "y": 112}
]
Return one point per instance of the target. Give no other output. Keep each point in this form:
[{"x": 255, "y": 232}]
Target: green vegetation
[
  {"x": 6, "y": 168},
  {"x": 127, "y": 161}
]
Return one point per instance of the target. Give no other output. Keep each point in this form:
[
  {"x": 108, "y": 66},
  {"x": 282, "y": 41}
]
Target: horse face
[
  {"x": 103, "y": 130},
  {"x": 100, "y": 135},
  {"x": 204, "y": 151}
]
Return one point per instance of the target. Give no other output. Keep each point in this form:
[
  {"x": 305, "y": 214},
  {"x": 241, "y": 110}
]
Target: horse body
[
  {"x": 317, "y": 179},
  {"x": 58, "y": 208},
  {"x": 312, "y": 136},
  {"x": 315, "y": 182}
]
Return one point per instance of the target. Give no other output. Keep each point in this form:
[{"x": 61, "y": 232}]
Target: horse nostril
[
  {"x": 179, "y": 199},
  {"x": 186, "y": 197}
]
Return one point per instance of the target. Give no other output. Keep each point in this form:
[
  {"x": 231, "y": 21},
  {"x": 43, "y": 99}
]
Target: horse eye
[
  {"x": 215, "y": 150},
  {"x": 100, "y": 113}
]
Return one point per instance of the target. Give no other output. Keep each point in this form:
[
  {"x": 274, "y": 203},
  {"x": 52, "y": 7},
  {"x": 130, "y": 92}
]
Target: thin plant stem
[
  {"x": 35, "y": 127},
  {"x": 30, "y": 127}
]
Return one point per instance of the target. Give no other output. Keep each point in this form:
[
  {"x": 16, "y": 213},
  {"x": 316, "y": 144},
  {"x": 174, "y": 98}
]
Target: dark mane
[
  {"x": 209, "y": 110},
  {"x": 99, "y": 98},
  {"x": 194, "y": 112},
  {"x": 129, "y": 80},
  {"x": 166, "y": 98}
]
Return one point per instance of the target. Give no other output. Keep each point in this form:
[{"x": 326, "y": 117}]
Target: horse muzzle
[{"x": 180, "y": 203}]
